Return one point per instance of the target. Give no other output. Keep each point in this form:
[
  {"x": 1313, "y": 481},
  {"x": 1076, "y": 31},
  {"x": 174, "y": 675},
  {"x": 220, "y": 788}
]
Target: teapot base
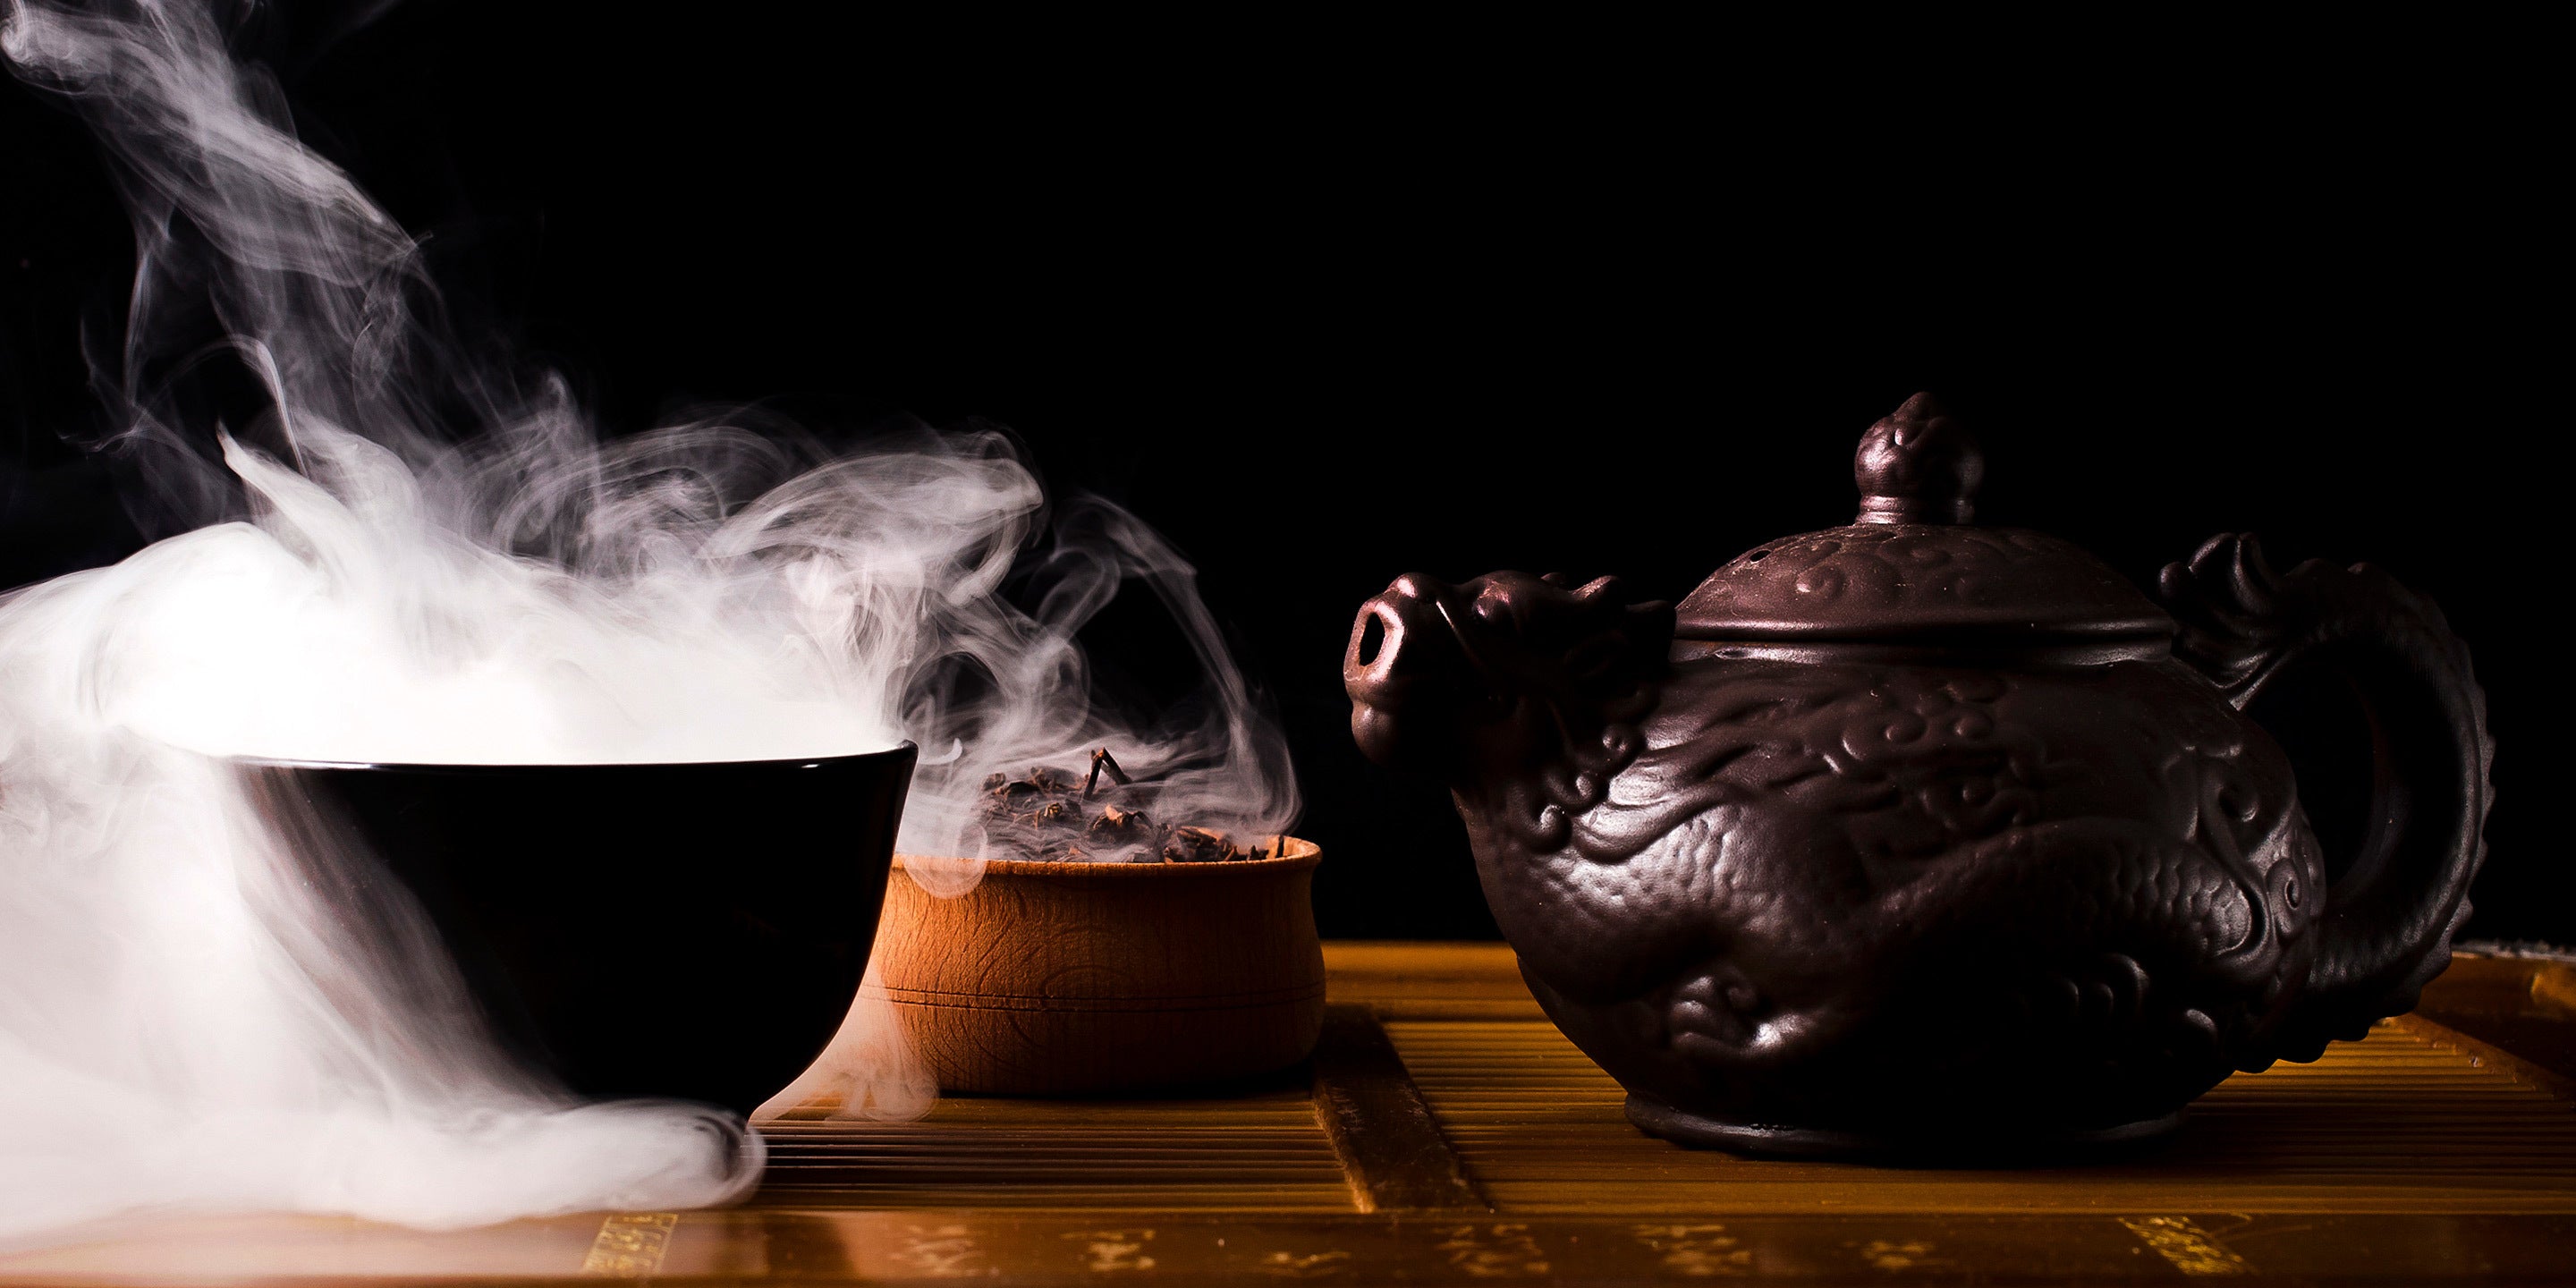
[{"x": 2000, "y": 1144}]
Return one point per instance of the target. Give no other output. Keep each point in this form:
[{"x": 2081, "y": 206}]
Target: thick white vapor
[{"x": 409, "y": 550}]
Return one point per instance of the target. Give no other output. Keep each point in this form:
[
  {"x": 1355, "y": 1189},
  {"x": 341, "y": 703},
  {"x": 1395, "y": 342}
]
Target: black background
[{"x": 1327, "y": 303}]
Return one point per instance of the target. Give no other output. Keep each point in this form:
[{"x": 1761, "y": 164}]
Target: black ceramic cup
[{"x": 684, "y": 930}]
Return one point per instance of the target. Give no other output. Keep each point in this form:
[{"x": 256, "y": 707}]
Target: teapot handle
[{"x": 2392, "y": 905}]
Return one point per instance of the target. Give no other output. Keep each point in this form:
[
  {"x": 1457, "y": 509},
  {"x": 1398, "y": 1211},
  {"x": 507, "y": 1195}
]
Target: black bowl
[{"x": 686, "y": 930}]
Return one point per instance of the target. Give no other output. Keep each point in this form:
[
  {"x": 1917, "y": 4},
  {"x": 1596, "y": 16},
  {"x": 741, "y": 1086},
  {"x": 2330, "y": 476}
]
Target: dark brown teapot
[{"x": 1919, "y": 837}]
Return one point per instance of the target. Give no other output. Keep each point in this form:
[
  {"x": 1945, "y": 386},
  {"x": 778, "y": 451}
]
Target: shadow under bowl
[{"x": 684, "y": 930}]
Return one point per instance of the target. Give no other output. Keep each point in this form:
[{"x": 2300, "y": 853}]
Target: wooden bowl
[{"x": 1056, "y": 979}]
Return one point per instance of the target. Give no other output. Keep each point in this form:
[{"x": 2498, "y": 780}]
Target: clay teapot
[{"x": 1920, "y": 837}]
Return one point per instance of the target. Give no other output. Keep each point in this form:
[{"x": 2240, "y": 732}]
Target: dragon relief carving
[
  {"x": 1781, "y": 892},
  {"x": 1521, "y": 693}
]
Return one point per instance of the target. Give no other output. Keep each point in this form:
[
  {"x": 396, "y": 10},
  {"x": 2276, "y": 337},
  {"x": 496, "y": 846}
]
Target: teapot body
[
  {"x": 1918, "y": 837},
  {"x": 1835, "y": 900}
]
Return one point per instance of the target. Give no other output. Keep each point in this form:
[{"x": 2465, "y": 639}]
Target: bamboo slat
[
  {"x": 2403, "y": 1122},
  {"x": 1388, "y": 1142},
  {"x": 1262, "y": 1151}
]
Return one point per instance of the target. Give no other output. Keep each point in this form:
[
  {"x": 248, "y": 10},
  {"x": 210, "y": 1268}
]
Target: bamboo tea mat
[{"x": 1447, "y": 1134}]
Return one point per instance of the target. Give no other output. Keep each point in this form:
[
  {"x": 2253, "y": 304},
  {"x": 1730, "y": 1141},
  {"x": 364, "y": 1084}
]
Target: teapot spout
[
  {"x": 1503, "y": 675},
  {"x": 1407, "y": 672}
]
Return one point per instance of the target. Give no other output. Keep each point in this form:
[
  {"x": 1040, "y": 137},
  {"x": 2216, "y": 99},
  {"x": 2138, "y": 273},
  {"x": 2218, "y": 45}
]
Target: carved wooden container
[{"x": 1054, "y": 979}]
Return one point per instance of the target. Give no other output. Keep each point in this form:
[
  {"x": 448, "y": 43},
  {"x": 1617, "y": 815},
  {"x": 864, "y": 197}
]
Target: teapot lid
[{"x": 1912, "y": 569}]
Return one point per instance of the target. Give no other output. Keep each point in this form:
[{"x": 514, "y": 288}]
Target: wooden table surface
[{"x": 1447, "y": 1134}]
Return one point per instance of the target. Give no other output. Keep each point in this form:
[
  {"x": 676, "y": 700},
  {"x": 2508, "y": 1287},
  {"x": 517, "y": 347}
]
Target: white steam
[{"x": 407, "y": 551}]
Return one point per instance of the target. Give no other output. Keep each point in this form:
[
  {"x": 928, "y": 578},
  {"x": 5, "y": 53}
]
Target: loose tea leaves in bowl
[{"x": 1052, "y": 816}]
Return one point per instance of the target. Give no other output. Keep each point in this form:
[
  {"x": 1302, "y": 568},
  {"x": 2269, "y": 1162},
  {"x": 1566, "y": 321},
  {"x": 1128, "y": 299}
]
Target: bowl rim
[
  {"x": 1302, "y": 853},
  {"x": 903, "y": 748}
]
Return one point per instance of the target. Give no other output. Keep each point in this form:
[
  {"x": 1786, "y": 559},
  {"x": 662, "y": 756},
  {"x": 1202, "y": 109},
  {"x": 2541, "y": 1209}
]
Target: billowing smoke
[{"x": 403, "y": 547}]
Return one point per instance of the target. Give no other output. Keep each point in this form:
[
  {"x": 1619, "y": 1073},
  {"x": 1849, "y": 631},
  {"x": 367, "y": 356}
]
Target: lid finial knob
[{"x": 1917, "y": 465}]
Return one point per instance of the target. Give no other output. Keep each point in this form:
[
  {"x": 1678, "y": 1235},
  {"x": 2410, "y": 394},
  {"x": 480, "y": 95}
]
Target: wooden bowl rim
[{"x": 1302, "y": 853}]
